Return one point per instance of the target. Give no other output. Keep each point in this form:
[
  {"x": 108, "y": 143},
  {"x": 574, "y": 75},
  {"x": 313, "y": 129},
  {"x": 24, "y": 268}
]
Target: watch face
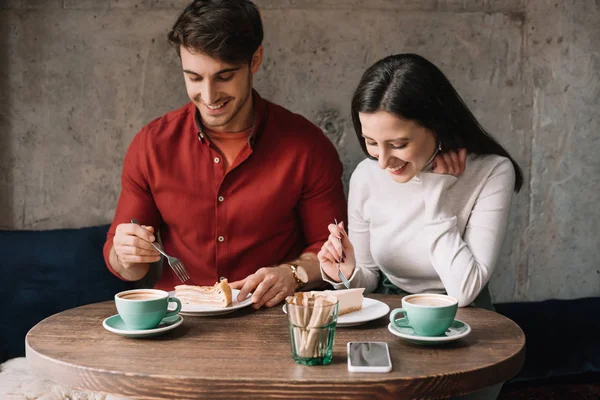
[{"x": 301, "y": 274}]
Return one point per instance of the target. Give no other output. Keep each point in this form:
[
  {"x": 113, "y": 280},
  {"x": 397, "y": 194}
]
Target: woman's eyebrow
[{"x": 405, "y": 139}]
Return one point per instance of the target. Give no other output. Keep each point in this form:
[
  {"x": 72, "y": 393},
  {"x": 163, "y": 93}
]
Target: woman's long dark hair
[{"x": 412, "y": 88}]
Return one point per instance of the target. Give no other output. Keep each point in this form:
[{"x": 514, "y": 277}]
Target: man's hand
[
  {"x": 132, "y": 244},
  {"x": 132, "y": 252},
  {"x": 270, "y": 286}
]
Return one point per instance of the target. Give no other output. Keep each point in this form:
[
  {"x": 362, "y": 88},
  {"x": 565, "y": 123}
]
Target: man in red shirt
[{"x": 239, "y": 188}]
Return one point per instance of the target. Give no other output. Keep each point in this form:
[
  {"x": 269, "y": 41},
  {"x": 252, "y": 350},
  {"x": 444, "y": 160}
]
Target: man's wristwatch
[{"x": 299, "y": 274}]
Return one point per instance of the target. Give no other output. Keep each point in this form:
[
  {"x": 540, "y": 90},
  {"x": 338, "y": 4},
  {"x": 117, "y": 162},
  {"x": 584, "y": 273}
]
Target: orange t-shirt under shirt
[{"x": 229, "y": 144}]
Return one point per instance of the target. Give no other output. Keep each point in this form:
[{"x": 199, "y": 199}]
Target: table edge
[{"x": 75, "y": 378}]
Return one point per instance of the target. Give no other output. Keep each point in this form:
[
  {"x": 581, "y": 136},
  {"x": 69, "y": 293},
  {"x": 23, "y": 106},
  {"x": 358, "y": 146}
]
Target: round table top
[{"x": 246, "y": 354}]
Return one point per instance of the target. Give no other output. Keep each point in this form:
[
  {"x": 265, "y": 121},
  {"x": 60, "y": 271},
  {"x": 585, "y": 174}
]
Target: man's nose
[{"x": 209, "y": 93}]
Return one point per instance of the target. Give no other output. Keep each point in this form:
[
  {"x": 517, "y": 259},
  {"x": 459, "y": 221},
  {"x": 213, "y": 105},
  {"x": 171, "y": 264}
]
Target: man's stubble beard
[{"x": 240, "y": 105}]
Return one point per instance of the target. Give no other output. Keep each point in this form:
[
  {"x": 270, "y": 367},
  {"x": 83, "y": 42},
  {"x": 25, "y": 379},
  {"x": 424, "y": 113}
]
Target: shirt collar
[{"x": 260, "y": 111}]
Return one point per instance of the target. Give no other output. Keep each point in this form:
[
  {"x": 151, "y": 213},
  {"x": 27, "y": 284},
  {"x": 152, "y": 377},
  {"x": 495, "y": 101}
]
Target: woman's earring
[{"x": 439, "y": 145}]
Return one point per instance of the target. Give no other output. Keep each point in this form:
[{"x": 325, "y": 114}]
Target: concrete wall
[{"x": 78, "y": 78}]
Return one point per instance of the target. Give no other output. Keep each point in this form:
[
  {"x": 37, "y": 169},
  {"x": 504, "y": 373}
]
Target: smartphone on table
[{"x": 369, "y": 357}]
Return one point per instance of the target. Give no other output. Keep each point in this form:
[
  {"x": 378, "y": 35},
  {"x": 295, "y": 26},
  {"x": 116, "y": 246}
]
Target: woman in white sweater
[{"x": 428, "y": 209}]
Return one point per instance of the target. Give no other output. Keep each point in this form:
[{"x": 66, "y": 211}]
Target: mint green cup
[
  {"x": 427, "y": 314},
  {"x": 144, "y": 308}
]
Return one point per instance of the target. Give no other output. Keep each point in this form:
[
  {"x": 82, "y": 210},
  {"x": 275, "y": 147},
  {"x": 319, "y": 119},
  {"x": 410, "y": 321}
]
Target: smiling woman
[
  {"x": 401, "y": 146},
  {"x": 406, "y": 96},
  {"x": 429, "y": 216}
]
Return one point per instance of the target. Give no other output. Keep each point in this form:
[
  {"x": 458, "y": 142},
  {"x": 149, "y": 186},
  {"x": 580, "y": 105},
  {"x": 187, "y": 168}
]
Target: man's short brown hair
[{"x": 228, "y": 30}]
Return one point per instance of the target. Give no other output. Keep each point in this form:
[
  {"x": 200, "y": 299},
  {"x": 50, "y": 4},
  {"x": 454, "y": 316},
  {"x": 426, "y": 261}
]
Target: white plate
[
  {"x": 371, "y": 309},
  {"x": 208, "y": 311}
]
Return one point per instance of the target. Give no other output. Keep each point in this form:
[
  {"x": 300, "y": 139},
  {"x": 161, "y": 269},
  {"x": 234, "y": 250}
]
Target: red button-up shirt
[{"x": 273, "y": 205}]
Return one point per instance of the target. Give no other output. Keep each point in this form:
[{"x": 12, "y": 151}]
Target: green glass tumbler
[{"x": 312, "y": 332}]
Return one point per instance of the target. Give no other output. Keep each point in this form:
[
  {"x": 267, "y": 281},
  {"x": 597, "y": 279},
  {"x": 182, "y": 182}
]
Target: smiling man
[{"x": 238, "y": 187}]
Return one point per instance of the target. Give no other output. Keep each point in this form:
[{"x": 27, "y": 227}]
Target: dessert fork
[
  {"x": 340, "y": 273},
  {"x": 176, "y": 265}
]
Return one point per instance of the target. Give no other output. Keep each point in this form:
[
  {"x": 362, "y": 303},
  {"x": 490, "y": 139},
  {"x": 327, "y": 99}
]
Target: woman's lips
[{"x": 399, "y": 169}]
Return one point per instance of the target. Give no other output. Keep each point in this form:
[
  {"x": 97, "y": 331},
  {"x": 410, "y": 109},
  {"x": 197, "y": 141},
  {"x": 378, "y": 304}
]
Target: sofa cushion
[{"x": 45, "y": 272}]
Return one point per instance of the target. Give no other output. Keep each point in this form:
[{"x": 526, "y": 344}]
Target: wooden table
[{"x": 246, "y": 354}]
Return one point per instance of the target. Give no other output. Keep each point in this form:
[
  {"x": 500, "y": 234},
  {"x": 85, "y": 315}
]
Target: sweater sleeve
[
  {"x": 366, "y": 273},
  {"x": 465, "y": 264}
]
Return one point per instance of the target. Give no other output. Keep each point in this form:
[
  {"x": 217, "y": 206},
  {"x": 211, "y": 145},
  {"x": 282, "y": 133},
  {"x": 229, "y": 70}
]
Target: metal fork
[
  {"x": 341, "y": 275},
  {"x": 176, "y": 265}
]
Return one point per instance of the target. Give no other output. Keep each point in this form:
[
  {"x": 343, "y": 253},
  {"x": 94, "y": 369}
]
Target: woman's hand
[
  {"x": 450, "y": 163},
  {"x": 330, "y": 253}
]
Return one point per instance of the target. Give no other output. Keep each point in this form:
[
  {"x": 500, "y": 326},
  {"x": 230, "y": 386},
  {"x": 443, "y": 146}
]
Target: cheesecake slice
[
  {"x": 349, "y": 300},
  {"x": 218, "y": 296}
]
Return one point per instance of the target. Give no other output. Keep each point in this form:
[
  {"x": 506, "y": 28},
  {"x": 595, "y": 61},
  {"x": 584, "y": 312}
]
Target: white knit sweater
[{"x": 436, "y": 233}]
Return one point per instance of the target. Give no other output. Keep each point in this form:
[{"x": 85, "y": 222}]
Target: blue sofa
[
  {"x": 562, "y": 337},
  {"x": 46, "y": 272}
]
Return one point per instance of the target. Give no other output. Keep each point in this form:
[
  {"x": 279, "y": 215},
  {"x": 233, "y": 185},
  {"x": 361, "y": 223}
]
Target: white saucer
[
  {"x": 371, "y": 310},
  {"x": 116, "y": 325},
  {"x": 197, "y": 310},
  {"x": 457, "y": 330}
]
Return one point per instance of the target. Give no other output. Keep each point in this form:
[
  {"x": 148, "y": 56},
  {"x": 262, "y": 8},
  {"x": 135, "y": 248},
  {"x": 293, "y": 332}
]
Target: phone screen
[{"x": 369, "y": 354}]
